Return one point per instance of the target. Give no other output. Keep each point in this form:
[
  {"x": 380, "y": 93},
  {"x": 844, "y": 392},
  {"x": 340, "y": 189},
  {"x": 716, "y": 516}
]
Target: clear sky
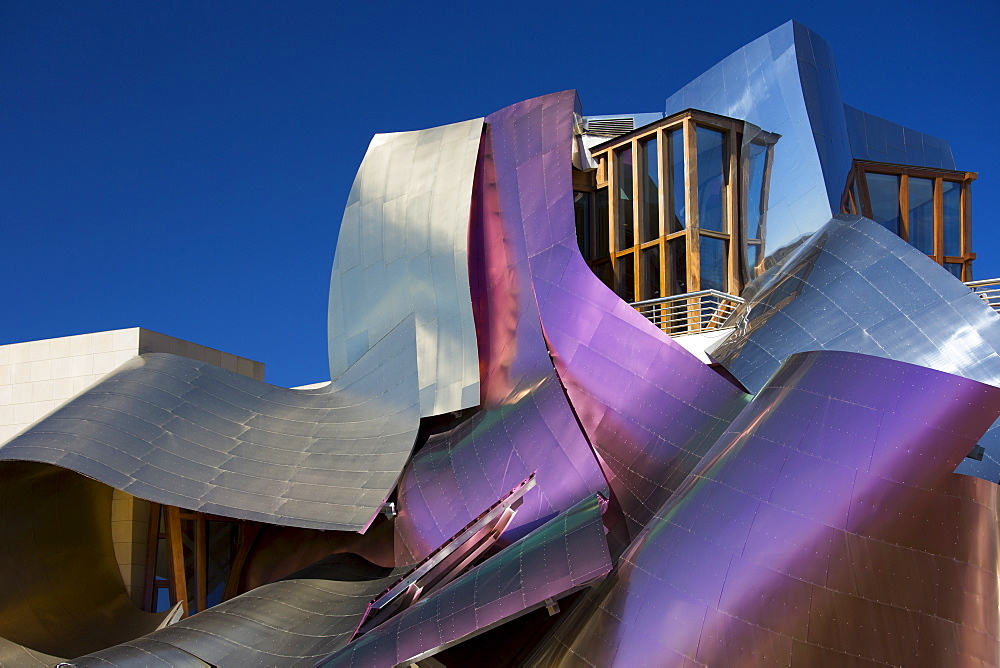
[{"x": 183, "y": 166}]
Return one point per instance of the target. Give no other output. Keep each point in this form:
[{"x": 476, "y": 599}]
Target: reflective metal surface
[
  {"x": 62, "y": 594},
  {"x": 875, "y": 138},
  {"x": 284, "y": 623},
  {"x": 857, "y": 287},
  {"x": 189, "y": 434},
  {"x": 566, "y": 553},
  {"x": 825, "y": 527},
  {"x": 402, "y": 253}
]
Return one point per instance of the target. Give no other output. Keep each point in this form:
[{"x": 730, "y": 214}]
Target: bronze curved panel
[{"x": 61, "y": 592}]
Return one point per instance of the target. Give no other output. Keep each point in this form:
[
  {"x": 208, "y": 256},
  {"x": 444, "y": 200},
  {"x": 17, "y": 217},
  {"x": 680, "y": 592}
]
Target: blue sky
[{"x": 183, "y": 166}]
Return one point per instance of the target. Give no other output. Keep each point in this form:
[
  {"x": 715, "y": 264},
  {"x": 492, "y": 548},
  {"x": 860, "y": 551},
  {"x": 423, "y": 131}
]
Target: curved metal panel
[
  {"x": 279, "y": 624},
  {"x": 649, "y": 408},
  {"x": 189, "y": 434},
  {"x": 402, "y": 252},
  {"x": 62, "y": 593},
  {"x": 526, "y": 424},
  {"x": 825, "y": 527},
  {"x": 855, "y": 286},
  {"x": 568, "y": 552}
]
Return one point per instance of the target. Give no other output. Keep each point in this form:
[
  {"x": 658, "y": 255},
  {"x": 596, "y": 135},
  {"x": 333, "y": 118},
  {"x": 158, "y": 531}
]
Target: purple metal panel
[
  {"x": 566, "y": 553},
  {"x": 881, "y": 553}
]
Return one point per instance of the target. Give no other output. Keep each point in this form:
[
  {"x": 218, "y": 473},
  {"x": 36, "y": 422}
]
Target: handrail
[
  {"x": 988, "y": 290},
  {"x": 689, "y": 313}
]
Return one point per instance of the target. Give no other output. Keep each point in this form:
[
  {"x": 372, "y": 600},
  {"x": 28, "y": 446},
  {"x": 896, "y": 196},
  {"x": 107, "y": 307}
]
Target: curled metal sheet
[
  {"x": 526, "y": 424},
  {"x": 649, "y": 408},
  {"x": 402, "y": 253},
  {"x": 568, "y": 552},
  {"x": 855, "y": 286},
  {"x": 875, "y": 138},
  {"x": 62, "y": 592},
  {"x": 284, "y": 623},
  {"x": 189, "y": 434},
  {"x": 143, "y": 652},
  {"x": 825, "y": 527}
]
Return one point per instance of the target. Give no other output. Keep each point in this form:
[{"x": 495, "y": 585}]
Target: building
[{"x": 519, "y": 457}]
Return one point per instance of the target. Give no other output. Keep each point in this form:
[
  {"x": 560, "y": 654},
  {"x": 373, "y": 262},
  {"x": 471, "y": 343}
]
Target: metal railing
[
  {"x": 988, "y": 290},
  {"x": 690, "y": 313}
]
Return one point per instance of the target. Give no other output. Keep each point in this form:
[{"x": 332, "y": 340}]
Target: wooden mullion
[
  {"x": 662, "y": 202},
  {"x": 175, "y": 547},
  {"x": 637, "y": 160},
  {"x": 904, "y": 207},
  {"x": 201, "y": 562},
  {"x": 938, "y": 221},
  {"x": 866, "y": 198},
  {"x": 732, "y": 143},
  {"x": 691, "y": 206}
]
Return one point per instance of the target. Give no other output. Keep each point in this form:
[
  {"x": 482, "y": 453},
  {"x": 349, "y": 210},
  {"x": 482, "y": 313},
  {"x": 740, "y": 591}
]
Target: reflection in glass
[
  {"x": 955, "y": 268},
  {"x": 921, "y": 217},
  {"x": 884, "y": 192},
  {"x": 711, "y": 180},
  {"x": 625, "y": 278},
  {"x": 581, "y": 209},
  {"x": 713, "y": 264},
  {"x": 602, "y": 244},
  {"x": 755, "y": 196},
  {"x": 625, "y": 235},
  {"x": 952, "y": 196},
  {"x": 676, "y": 219},
  {"x": 753, "y": 257},
  {"x": 677, "y": 271},
  {"x": 650, "y": 223},
  {"x": 649, "y": 273}
]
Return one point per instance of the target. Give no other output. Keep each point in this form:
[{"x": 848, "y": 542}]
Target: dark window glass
[
  {"x": 625, "y": 278},
  {"x": 952, "y": 195},
  {"x": 884, "y": 192},
  {"x": 711, "y": 180},
  {"x": 713, "y": 264},
  {"x": 677, "y": 271},
  {"x": 955, "y": 268},
  {"x": 921, "y": 205},
  {"x": 625, "y": 233},
  {"x": 649, "y": 273},
  {"x": 755, "y": 196},
  {"x": 584, "y": 234},
  {"x": 650, "y": 223},
  {"x": 162, "y": 601},
  {"x": 676, "y": 219},
  {"x": 603, "y": 271},
  {"x": 602, "y": 244}
]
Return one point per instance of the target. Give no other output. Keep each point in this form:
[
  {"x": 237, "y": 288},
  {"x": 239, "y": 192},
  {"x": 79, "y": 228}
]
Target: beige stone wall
[{"x": 129, "y": 533}]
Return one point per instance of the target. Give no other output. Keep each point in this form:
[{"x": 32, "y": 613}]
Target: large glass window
[
  {"x": 711, "y": 180},
  {"x": 650, "y": 223},
  {"x": 951, "y": 194},
  {"x": 625, "y": 237},
  {"x": 676, "y": 216},
  {"x": 884, "y": 192},
  {"x": 921, "y": 214}
]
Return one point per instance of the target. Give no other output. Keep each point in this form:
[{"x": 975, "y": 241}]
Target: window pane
[
  {"x": 952, "y": 192},
  {"x": 921, "y": 204},
  {"x": 884, "y": 192},
  {"x": 603, "y": 271},
  {"x": 955, "y": 268},
  {"x": 625, "y": 235},
  {"x": 650, "y": 191},
  {"x": 713, "y": 264},
  {"x": 584, "y": 235},
  {"x": 677, "y": 271},
  {"x": 649, "y": 276},
  {"x": 625, "y": 278},
  {"x": 676, "y": 218},
  {"x": 753, "y": 257},
  {"x": 755, "y": 196},
  {"x": 711, "y": 180},
  {"x": 602, "y": 244}
]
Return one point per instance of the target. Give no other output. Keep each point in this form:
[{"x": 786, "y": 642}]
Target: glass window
[
  {"x": 952, "y": 196},
  {"x": 602, "y": 245},
  {"x": 603, "y": 271},
  {"x": 711, "y": 180},
  {"x": 625, "y": 236},
  {"x": 584, "y": 237},
  {"x": 713, "y": 263},
  {"x": 677, "y": 271},
  {"x": 755, "y": 196},
  {"x": 753, "y": 257},
  {"x": 884, "y": 192},
  {"x": 625, "y": 278},
  {"x": 650, "y": 224},
  {"x": 921, "y": 205},
  {"x": 677, "y": 219},
  {"x": 649, "y": 273},
  {"x": 955, "y": 268}
]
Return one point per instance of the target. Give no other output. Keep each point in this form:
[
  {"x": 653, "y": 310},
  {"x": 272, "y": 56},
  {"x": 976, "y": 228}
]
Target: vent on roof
[{"x": 609, "y": 127}]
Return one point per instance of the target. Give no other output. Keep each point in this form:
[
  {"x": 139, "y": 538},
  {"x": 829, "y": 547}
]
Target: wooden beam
[
  {"x": 938, "y": 221},
  {"x": 691, "y": 206},
  {"x": 904, "y": 207},
  {"x": 175, "y": 549}
]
